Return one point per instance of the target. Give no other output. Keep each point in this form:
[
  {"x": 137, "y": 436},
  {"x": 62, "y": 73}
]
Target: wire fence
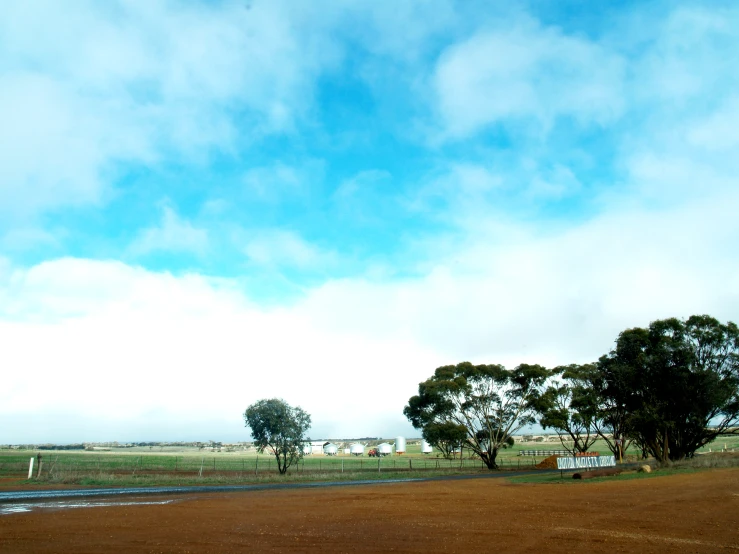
[{"x": 51, "y": 464}]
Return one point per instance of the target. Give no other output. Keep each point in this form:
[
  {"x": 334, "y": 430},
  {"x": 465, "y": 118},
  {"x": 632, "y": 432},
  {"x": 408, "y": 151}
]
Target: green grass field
[{"x": 166, "y": 465}]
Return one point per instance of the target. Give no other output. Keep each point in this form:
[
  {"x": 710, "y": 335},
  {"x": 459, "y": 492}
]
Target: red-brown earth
[{"x": 693, "y": 512}]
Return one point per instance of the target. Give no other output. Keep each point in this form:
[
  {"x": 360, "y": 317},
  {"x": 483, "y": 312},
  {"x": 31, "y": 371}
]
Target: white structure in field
[
  {"x": 356, "y": 449},
  {"x": 313, "y": 447},
  {"x": 426, "y": 447},
  {"x": 400, "y": 445},
  {"x": 330, "y": 449},
  {"x": 384, "y": 449}
]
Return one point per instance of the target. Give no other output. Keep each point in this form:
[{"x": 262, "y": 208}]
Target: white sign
[{"x": 582, "y": 462}]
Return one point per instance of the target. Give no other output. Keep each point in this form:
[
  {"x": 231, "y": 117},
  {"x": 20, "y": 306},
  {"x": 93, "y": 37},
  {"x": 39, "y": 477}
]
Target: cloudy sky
[{"x": 206, "y": 203}]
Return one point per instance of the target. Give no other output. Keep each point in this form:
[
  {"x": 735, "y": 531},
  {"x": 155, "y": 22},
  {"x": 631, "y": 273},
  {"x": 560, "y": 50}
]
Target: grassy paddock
[
  {"x": 169, "y": 465},
  {"x": 122, "y": 461},
  {"x": 95, "y": 468}
]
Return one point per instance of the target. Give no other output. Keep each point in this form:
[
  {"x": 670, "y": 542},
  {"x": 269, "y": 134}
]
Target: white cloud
[
  {"x": 551, "y": 296},
  {"x": 689, "y": 57},
  {"x": 173, "y": 234},
  {"x": 276, "y": 248},
  {"x": 467, "y": 186},
  {"x": 719, "y": 131},
  {"x": 111, "y": 342},
  {"x": 26, "y": 239},
  {"x": 50, "y": 154},
  {"x": 361, "y": 183},
  {"x": 283, "y": 183},
  {"x": 399, "y": 31},
  {"x": 88, "y": 86},
  {"x": 107, "y": 338},
  {"x": 682, "y": 90},
  {"x": 116, "y": 348},
  {"x": 525, "y": 73},
  {"x": 557, "y": 182}
]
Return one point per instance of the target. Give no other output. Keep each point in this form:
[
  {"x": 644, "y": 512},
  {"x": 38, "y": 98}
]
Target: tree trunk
[
  {"x": 489, "y": 459},
  {"x": 665, "y": 449}
]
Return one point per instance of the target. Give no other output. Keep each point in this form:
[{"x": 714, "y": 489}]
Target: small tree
[
  {"x": 488, "y": 402},
  {"x": 279, "y": 427},
  {"x": 446, "y": 436}
]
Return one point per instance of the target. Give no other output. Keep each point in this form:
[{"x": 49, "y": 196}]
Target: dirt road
[{"x": 697, "y": 512}]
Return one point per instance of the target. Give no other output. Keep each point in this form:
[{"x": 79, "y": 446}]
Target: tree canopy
[
  {"x": 446, "y": 436},
  {"x": 481, "y": 405},
  {"x": 280, "y": 428},
  {"x": 671, "y": 388},
  {"x": 675, "y": 384},
  {"x": 569, "y": 407}
]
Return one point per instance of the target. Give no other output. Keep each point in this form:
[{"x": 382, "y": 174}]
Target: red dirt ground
[{"x": 696, "y": 512}]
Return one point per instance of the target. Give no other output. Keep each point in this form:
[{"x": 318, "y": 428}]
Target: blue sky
[{"x": 207, "y": 203}]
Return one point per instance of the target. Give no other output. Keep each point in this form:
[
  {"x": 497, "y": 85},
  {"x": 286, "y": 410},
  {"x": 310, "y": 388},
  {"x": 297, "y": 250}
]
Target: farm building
[
  {"x": 330, "y": 449},
  {"x": 356, "y": 449},
  {"x": 313, "y": 447}
]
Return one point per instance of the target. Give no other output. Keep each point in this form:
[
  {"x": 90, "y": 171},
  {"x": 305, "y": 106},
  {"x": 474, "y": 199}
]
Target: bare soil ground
[{"x": 695, "y": 512}]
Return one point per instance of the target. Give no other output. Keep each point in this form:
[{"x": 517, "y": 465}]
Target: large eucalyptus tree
[
  {"x": 676, "y": 383},
  {"x": 486, "y": 404}
]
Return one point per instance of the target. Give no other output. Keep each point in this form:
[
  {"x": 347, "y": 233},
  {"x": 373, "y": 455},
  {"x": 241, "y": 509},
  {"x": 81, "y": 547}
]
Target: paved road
[{"x": 36, "y": 495}]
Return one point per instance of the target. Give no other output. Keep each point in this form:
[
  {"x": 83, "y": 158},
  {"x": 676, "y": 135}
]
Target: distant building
[{"x": 313, "y": 447}]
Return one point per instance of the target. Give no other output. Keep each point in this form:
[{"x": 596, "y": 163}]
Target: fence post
[
  {"x": 378, "y": 463},
  {"x": 256, "y": 466},
  {"x": 30, "y": 468}
]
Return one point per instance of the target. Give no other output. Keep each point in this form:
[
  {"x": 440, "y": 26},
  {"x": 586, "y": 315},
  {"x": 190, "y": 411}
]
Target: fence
[{"x": 80, "y": 465}]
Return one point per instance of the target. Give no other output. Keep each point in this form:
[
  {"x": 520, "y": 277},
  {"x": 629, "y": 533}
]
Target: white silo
[
  {"x": 356, "y": 449},
  {"x": 384, "y": 449},
  {"x": 400, "y": 445},
  {"x": 307, "y": 450},
  {"x": 426, "y": 447},
  {"x": 330, "y": 449}
]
